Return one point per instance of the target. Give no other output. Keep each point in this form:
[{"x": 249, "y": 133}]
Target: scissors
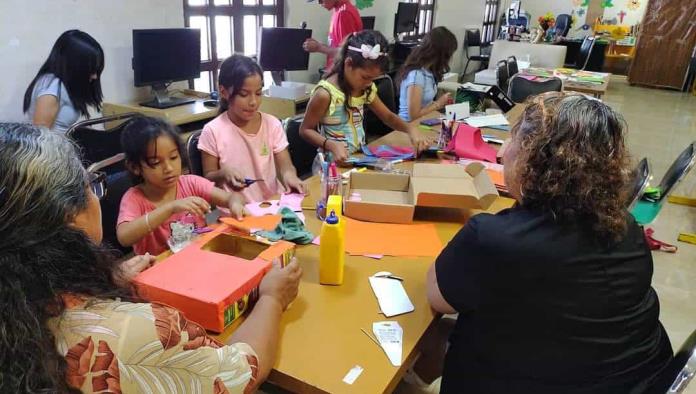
[{"x": 248, "y": 182}]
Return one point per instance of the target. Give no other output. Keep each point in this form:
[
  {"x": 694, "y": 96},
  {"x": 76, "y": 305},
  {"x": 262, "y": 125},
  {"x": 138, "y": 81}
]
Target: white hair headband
[{"x": 368, "y": 51}]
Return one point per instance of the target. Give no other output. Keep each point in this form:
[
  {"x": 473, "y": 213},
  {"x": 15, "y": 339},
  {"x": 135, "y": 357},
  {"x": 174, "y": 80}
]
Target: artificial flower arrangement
[{"x": 547, "y": 20}]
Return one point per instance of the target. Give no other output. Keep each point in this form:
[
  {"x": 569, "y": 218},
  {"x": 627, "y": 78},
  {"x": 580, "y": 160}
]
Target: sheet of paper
[
  {"x": 391, "y": 296},
  {"x": 253, "y": 223},
  {"x": 316, "y": 241},
  {"x": 487, "y": 120},
  {"x": 390, "y": 336},
  {"x": 292, "y": 201},
  {"x": 459, "y": 111},
  {"x": 476, "y": 87},
  {"x": 353, "y": 374},
  {"x": 404, "y": 240}
]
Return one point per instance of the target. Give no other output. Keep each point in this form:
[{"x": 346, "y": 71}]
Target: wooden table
[
  {"x": 321, "y": 338},
  {"x": 595, "y": 90}
]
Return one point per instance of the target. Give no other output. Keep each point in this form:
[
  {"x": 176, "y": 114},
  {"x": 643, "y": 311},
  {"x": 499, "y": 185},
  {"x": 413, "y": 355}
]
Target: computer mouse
[{"x": 210, "y": 103}]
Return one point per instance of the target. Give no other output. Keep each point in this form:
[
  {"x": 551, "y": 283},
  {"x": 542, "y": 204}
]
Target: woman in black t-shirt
[{"x": 554, "y": 294}]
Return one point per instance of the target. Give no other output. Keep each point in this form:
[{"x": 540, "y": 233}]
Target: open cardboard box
[
  {"x": 392, "y": 198},
  {"x": 213, "y": 282}
]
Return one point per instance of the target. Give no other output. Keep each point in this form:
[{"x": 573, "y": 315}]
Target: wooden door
[{"x": 665, "y": 44}]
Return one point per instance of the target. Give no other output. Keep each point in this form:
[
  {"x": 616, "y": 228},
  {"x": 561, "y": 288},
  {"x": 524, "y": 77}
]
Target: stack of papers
[{"x": 487, "y": 120}]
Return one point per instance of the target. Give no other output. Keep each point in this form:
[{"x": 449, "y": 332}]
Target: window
[
  {"x": 227, "y": 27},
  {"x": 426, "y": 10},
  {"x": 490, "y": 17}
]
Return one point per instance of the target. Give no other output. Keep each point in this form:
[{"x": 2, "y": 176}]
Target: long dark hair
[
  {"x": 233, "y": 71},
  {"x": 433, "y": 54},
  {"x": 74, "y": 58},
  {"x": 42, "y": 187},
  {"x": 365, "y": 37},
  {"x": 572, "y": 161},
  {"x": 142, "y": 131}
]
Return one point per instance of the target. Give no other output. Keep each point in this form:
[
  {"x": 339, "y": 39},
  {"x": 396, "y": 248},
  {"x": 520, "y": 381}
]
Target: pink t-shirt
[
  {"x": 134, "y": 205},
  {"x": 345, "y": 19},
  {"x": 251, "y": 155}
]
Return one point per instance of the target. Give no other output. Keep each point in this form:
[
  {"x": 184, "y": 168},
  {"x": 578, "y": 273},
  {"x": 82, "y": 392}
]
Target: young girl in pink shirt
[
  {"x": 244, "y": 143},
  {"x": 162, "y": 195}
]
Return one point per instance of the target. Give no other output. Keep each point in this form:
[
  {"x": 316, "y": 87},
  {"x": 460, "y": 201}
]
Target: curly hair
[
  {"x": 572, "y": 161},
  {"x": 42, "y": 187},
  {"x": 433, "y": 54}
]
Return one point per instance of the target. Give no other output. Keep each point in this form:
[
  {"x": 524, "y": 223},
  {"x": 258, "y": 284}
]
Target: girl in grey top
[{"x": 67, "y": 83}]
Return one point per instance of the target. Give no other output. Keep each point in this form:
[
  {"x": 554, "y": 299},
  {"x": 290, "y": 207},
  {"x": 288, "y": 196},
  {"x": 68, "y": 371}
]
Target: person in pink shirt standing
[
  {"x": 243, "y": 143},
  {"x": 345, "y": 19}
]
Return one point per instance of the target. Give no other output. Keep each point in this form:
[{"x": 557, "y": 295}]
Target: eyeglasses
[{"x": 97, "y": 182}]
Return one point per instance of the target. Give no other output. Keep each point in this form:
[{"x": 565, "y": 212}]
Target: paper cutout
[
  {"x": 317, "y": 241},
  {"x": 406, "y": 240},
  {"x": 252, "y": 224},
  {"x": 292, "y": 201},
  {"x": 390, "y": 336},
  {"x": 622, "y": 14},
  {"x": 607, "y": 4},
  {"x": 468, "y": 143},
  {"x": 263, "y": 208},
  {"x": 458, "y": 111},
  {"x": 391, "y": 296},
  {"x": 577, "y": 3},
  {"x": 633, "y": 5},
  {"x": 353, "y": 374}
]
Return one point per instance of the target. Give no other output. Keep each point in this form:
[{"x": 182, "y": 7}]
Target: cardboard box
[
  {"x": 213, "y": 282},
  {"x": 392, "y": 198}
]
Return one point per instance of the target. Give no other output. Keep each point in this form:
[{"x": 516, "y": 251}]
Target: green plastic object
[
  {"x": 645, "y": 211},
  {"x": 362, "y": 4}
]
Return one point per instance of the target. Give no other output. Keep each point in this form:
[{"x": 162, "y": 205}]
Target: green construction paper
[
  {"x": 362, "y": 4},
  {"x": 607, "y": 4}
]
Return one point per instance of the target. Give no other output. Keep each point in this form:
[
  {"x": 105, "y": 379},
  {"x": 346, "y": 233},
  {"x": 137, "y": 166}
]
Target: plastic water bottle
[{"x": 331, "y": 251}]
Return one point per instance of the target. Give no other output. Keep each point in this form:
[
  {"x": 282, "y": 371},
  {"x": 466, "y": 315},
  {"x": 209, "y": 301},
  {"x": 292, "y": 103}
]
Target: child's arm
[
  {"x": 419, "y": 141},
  {"x": 415, "y": 95},
  {"x": 316, "y": 108},
  {"x": 221, "y": 176},
  {"x": 233, "y": 201},
  {"x": 130, "y": 233},
  {"x": 287, "y": 174}
]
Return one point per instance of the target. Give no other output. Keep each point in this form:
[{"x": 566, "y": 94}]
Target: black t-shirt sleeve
[{"x": 458, "y": 269}]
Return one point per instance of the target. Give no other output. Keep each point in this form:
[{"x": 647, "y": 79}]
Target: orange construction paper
[
  {"x": 497, "y": 177},
  {"x": 265, "y": 222},
  {"x": 406, "y": 240}
]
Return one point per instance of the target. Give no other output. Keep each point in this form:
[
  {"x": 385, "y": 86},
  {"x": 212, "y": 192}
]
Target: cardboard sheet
[
  {"x": 253, "y": 223},
  {"x": 406, "y": 240}
]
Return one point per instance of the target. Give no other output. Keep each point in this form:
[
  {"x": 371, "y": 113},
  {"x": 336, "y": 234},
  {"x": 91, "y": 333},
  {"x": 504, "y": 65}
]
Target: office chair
[
  {"x": 115, "y": 183},
  {"x": 680, "y": 371},
  {"x": 194, "y": 155},
  {"x": 563, "y": 22},
  {"x": 501, "y": 75},
  {"x": 512, "y": 66},
  {"x": 584, "y": 53},
  {"x": 98, "y": 144},
  {"x": 302, "y": 153},
  {"x": 472, "y": 38},
  {"x": 387, "y": 93},
  {"x": 521, "y": 88},
  {"x": 641, "y": 178},
  {"x": 646, "y": 210}
]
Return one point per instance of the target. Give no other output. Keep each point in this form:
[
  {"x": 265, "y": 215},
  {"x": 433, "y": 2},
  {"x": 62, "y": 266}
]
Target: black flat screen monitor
[
  {"x": 162, "y": 56},
  {"x": 368, "y": 22},
  {"x": 406, "y": 16},
  {"x": 280, "y": 49}
]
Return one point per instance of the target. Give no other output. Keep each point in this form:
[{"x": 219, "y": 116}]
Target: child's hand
[
  {"x": 236, "y": 207},
  {"x": 234, "y": 178},
  {"x": 130, "y": 268},
  {"x": 339, "y": 151},
  {"x": 195, "y": 205},
  {"x": 294, "y": 184},
  {"x": 444, "y": 100},
  {"x": 419, "y": 141}
]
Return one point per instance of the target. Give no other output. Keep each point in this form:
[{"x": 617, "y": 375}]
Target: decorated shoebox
[{"x": 214, "y": 280}]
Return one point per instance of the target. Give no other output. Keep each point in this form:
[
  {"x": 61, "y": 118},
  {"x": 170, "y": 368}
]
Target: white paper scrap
[
  {"x": 459, "y": 111},
  {"x": 391, "y": 296},
  {"x": 487, "y": 120},
  {"x": 390, "y": 336},
  {"x": 353, "y": 374}
]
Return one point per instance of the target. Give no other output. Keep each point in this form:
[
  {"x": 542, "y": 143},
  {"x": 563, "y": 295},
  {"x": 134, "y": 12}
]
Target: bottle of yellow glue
[{"x": 331, "y": 251}]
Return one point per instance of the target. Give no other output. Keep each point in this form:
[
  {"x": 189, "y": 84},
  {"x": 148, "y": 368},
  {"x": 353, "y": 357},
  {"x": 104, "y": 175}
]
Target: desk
[
  {"x": 595, "y": 90},
  {"x": 320, "y": 333}
]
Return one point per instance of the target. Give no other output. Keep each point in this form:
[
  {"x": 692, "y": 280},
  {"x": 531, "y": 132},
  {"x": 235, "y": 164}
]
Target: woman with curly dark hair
[
  {"x": 66, "y": 325},
  {"x": 423, "y": 69},
  {"x": 554, "y": 294}
]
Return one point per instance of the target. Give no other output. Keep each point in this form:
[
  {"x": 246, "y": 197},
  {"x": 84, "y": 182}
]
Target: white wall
[
  {"x": 631, "y": 18},
  {"x": 317, "y": 18},
  {"x": 29, "y": 29},
  {"x": 538, "y": 8}
]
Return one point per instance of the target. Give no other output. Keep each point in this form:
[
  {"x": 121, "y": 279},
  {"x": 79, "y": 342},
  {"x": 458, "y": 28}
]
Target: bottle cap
[{"x": 332, "y": 218}]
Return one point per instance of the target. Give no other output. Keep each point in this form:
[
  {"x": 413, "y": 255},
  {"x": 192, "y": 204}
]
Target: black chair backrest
[
  {"x": 99, "y": 144},
  {"x": 387, "y": 93},
  {"x": 585, "y": 51},
  {"x": 302, "y": 153},
  {"x": 512, "y": 66},
  {"x": 563, "y": 25},
  {"x": 194, "y": 155},
  {"x": 641, "y": 176},
  {"x": 501, "y": 74},
  {"x": 678, "y": 170},
  {"x": 472, "y": 38},
  {"x": 521, "y": 88},
  {"x": 679, "y": 372}
]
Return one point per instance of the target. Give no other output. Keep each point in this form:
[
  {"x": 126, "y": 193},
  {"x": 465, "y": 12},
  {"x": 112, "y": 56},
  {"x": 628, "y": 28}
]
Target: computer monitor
[
  {"x": 368, "y": 22},
  {"x": 280, "y": 49},
  {"x": 162, "y": 56},
  {"x": 405, "y": 19}
]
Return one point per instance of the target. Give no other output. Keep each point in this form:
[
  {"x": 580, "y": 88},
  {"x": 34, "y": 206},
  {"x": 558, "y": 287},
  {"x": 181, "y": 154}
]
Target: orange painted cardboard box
[{"x": 213, "y": 280}]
